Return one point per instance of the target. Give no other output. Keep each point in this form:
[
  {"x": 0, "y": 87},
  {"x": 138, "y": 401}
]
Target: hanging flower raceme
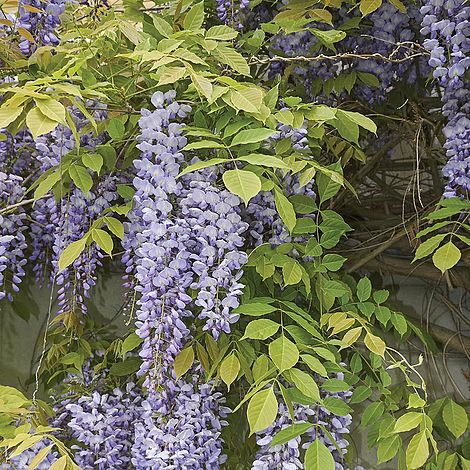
[
  {"x": 12, "y": 239},
  {"x": 447, "y": 28},
  {"x": 182, "y": 428},
  {"x": 229, "y": 11},
  {"x": 155, "y": 243},
  {"x": 213, "y": 217},
  {"x": 41, "y": 20}
]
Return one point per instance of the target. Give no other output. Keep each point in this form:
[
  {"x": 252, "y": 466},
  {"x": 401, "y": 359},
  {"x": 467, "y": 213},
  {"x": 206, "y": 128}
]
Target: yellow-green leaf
[
  {"x": 51, "y": 108},
  {"x": 318, "y": 457},
  {"x": 71, "y": 253},
  {"x": 284, "y": 353},
  {"x": 417, "y": 451},
  {"x": 8, "y": 115},
  {"x": 286, "y": 211},
  {"x": 103, "y": 240},
  {"x": 39, "y": 457},
  {"x": 242, "y": 183},
  {"x": 183, "y": 361},
  {"x": 446, "y": 257},
  {"x": 262, "y": 410},
  {"x": 369, "y": 6},
  {"x": 81, "y": 177},
  {"x": 229, "y": 369},
  {"x": 374, "y": 344},
  {"x": 455, "y": 417},
  {"x": 38, "y": 123}
]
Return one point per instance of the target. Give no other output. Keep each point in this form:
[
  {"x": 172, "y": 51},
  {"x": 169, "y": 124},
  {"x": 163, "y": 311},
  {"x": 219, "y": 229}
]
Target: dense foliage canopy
[{"x": 241, "y": 164}]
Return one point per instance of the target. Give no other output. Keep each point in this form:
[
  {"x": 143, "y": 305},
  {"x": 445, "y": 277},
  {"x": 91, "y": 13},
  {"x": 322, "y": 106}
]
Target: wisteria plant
[{"x": 202, "y": 150}]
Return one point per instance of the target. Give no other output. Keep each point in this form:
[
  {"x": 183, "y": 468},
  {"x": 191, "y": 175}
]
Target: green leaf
[
  {"x": 125, "y": 191},
  {"x": 285, "y": 210},
  {"x": 364, "y": 289},
  {"x": 39, "y": 457},
  {"x": 229, "y": 369},
  {"x": 228, "y": 55},
  {"x": 372, "y": 413},
  {"x": 242, "y": 183},
  {"x": 446, "y": 257},
  {"x": 171, "y": 75},
  {"x": 255, "y": 309},
  {"x": 284, "y": 353},
  {"x": 202, "y": 164},
  {"x": 291, "y": 272},
  {"x": 115, "y": 226},
  {"x": 318, "y": 457},
  {"x": 327, "y": 187},
  {"x": 400, "y": 324},
  {"x": 103, "y": 240},
  {"x": 289, "y": 433},
  {"x": 221, "y": 33},
  {"x": 408, "y": 421},
  {"x": 428, "y": 246},
  {"x": 417, "y": 451},
  {"x": 321, "y": 113},
  {"x": 247, "y": 99},
  {"x": 71, "y": 253},
  {"x": 162, "y": 26},
  {"x": 125, "y": 368},
  {"x": 263, "y": 160},
  {"x": 183, "y": 361},
  {"x": 360, "y": 394},
  {"x": 260, "y": 329},
  {"x": 130, "y": 343},
  {"x": 305, "y": 383},
  {"x": 387, "y": 448},
  {"x": 252, "y": 136},
  {"x": 335, "y": 385},
  {"x": 47, "y": 184},
  {"x": 314, "y": 364},
  {"x": 333, "y": 262},
  {"x": 262, "y": 410},
  {"x": 81, "y": 177},
  {"x": 303, "y": 204},
  {"x": 346, "y": 127},
  {"x": 455, "y": 418},
  {"x": 369, "y": 6},
  {"x": 337, "y": 406},
  {"x": 51, "y": 108},
  {"x": 202, "y": 84},
  {"x": 359, "y": 119},
  {"x": 204, "y": 144},
  {"x": 8, "y": 115},
  {"x": 38, "y": 123},
  {"x": 195, "y": 17},
  {"x": 94, "y": 161},
  {"x": 116, "y": 128}
]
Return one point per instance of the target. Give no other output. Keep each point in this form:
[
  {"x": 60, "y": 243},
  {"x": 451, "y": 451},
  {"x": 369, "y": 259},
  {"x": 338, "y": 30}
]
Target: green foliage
[{"x": 303, "y": 318}]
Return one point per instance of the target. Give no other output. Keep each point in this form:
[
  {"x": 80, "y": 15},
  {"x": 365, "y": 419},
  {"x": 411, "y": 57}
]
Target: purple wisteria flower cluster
[
  {"x": 446, "y": 27},
  {"x": 183, "y": 234},
  {"x": 287, "y": 456},
  {"x": 57, "y": 224},
  {"x": 102, "y": 425},
  {"x": 389, "y": 28},
  {"x": 182, "y": 428},
  {"x": 12, "y": 239},
  {"x": 41, "y": 19},
  {"x": 229, "y": 11}
]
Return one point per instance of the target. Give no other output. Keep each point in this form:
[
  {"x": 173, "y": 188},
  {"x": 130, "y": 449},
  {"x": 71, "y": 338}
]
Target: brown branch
[
  {"x": 349, "y": 55},
  {"x": 460, "y": 276}
]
